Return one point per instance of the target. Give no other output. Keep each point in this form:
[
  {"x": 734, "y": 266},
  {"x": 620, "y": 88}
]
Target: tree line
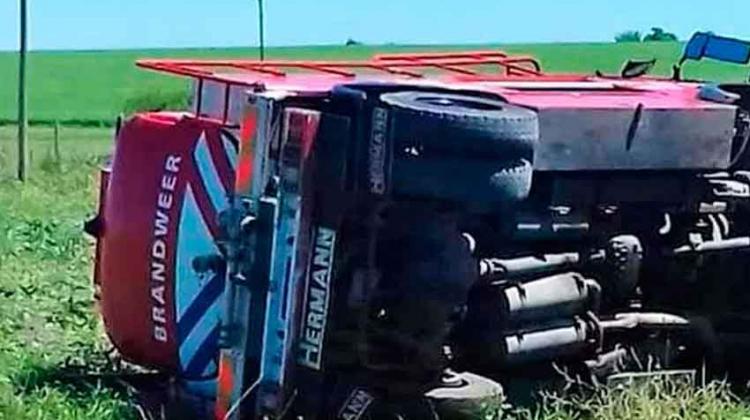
[{"x": 657, "y": 34}]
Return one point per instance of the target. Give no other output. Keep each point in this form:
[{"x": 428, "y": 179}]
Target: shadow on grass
[
  {"x": 152, "y": 396},
  {"x": 141, "y": 393}
]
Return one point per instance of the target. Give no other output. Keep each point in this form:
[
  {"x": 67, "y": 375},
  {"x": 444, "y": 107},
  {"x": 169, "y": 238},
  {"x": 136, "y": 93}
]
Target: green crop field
[
  {"x": 97, "y": 85},
  {"x": 49, "y": 329}
]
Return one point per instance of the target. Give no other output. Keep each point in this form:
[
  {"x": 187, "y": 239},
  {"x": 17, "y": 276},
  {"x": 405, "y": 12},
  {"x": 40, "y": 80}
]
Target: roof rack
[
  {"x": 460, "y": 66},
  {"x": 469, "y": 65}
]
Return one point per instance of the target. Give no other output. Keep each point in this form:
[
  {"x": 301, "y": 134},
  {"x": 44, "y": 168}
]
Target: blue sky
[{"x": 98, "y": 24}]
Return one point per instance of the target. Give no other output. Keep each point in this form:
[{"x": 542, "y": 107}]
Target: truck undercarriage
[{"x": 368, "y": 238}]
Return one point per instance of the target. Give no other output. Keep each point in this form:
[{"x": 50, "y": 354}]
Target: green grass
[
  {"x": 97, "y": 85},
  {"x": 652, "y": 400},
  {"x": 49, "y": 328}
]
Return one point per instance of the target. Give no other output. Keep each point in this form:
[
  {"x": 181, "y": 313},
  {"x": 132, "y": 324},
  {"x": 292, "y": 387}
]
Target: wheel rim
[{"x": 462, "y": 102}]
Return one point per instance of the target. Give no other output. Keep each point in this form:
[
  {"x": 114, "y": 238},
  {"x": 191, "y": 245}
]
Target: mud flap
[{"x": 95, "y": 227}]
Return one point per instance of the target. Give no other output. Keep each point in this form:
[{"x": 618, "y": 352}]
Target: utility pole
[
  {"x": 261, "y": 31},
  {"x": 23, "y": 119}
]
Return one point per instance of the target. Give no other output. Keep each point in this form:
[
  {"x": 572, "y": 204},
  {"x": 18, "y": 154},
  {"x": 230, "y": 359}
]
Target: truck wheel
[
  {"x": 463, "y": 180},
  {"x": 442, "y": 124},
  {"x": 459, "y": 147},
  {"x": 466, "y": 396},
  {"x": 458, "y": 396}
]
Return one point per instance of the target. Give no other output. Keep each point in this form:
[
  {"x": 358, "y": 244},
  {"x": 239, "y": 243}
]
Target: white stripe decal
[
  {"x": 193, "y": 240},
  {"x": 230, "y": 149},
  {"x": 209, "y": 175}
]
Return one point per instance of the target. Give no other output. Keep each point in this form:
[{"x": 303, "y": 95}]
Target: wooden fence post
[
  {"x": 118, "y": 124},
  {"x": 23, "y": 121},
  {"x": 56, "y": 144}
]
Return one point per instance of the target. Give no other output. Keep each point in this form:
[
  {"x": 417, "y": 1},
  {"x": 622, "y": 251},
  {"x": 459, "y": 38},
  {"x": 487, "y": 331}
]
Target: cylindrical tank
[
  {"x": 558, "y": 296},
  {"x": 548, "y": 343}
]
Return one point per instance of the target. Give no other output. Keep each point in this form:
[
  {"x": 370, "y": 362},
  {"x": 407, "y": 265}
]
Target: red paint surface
[
  {"x": 248, "y": 133},
  {"x": 539, "y": 92},
  {"x": 224, "y": 387},
  {"x": 125, "y": 247},
  {"x": 516, "y": 78}
]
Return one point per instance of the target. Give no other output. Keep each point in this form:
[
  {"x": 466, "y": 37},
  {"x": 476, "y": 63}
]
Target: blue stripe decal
[
  {"x": 194, "y": 239},
  {"x": 283, "y": 257},
  {"x": 209, "y": 175},
  {"x": 200, "y": 306},
  {"x": 200, "y": 336},
  {"x": 212, "y": 369},
  {"x": 230, "y": 150},
  {"x": 205, "y": 388},
  {"x": 205, "y": 354},
  {"x": 198, "y": 297}
]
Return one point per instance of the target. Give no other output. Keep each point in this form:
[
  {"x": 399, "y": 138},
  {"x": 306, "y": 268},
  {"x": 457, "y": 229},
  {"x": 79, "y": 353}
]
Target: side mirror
[
  {"x": 637, "y": 68},
  {"x": 706, "y": 45},
  {"x": 632, "y": 69}
]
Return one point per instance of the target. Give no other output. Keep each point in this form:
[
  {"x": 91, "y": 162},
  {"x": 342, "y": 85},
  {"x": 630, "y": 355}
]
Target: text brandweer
[{"x": 165, "y": 201}]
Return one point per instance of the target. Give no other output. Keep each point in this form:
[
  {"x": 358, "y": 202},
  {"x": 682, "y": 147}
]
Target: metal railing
[{"x": 470, "y": 65}]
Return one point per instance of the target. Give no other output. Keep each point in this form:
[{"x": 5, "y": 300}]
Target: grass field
[
  {"x": 50, "y": 330},
  {"x": 47, "y": 323},
  {"x": 97, "y": 85}
]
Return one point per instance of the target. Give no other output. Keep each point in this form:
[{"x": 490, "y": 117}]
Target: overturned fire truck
[{"x": 403, "y": 236}]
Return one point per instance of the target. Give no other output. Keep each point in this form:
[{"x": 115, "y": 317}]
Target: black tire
[
  {"x": 458, "y": 125},
  {"x": 425, "y": 273},
  {"x": 463, "y": 180},
  {"x": 464, "y": 396}
]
